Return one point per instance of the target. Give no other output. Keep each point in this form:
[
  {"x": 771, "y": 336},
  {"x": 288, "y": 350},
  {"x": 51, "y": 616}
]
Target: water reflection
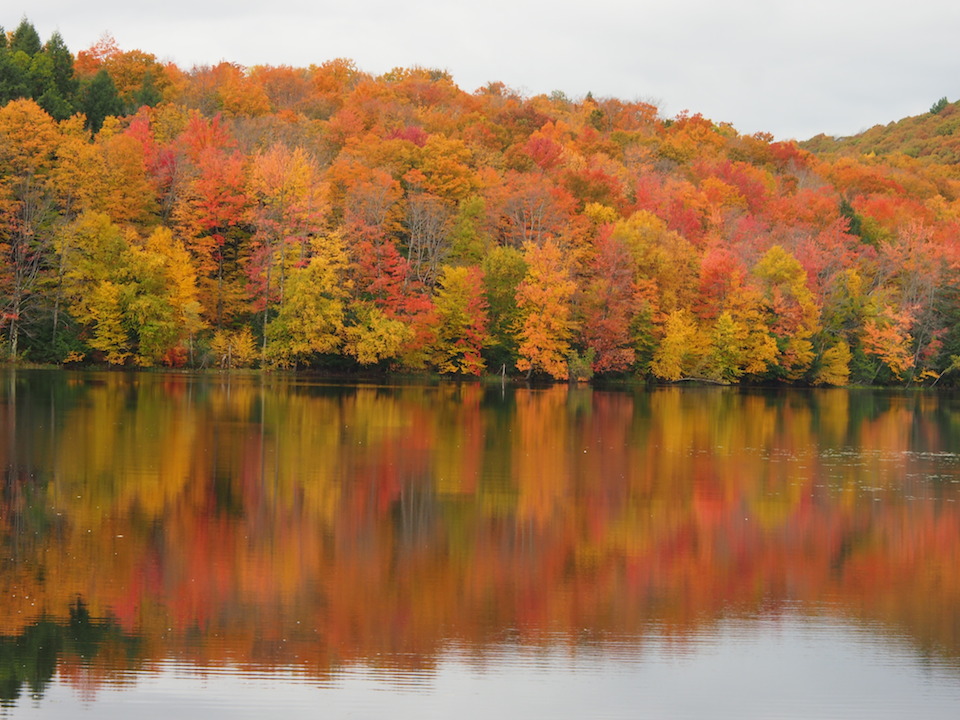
[{"x": 271, "y": 525}]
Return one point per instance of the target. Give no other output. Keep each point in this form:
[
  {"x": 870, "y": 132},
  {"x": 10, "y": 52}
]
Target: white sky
[{"x": 791, "y": 68}]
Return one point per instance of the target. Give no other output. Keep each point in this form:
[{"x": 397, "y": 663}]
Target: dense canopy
[{"x": 322, "y": 217}]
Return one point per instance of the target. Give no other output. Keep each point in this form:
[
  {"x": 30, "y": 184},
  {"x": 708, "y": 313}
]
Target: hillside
[
  {"x": 934, "y": 135},
  {"x": 326, "y": 218}
]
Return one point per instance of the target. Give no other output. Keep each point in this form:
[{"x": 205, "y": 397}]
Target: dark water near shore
[{"x": 234, "y": 546}]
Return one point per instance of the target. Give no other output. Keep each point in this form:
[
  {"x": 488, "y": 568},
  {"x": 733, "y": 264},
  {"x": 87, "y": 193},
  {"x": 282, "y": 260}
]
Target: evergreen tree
[
  {"x": 100, "y": 100},
  {"x": 14, "y": 75},
  {"x": 25, "y": 38},
  {"x": 39, "y": 74},
  {"x": 54, "y": 103},
  {"x": 55, "y": 87},
  {"x": 148, "y": 93},
  {"x": 62, "y": 59}
]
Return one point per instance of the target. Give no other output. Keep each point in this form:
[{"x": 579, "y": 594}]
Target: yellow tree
[
  {"x": 95, "y": 256},
  {"x": 662, "y": 257},
  {"x": 740, "y": 342},
  {"x": 682, "y": 349},
  {"x": 311, "y": 320},
  {"x": 132, "y": 298},
  {"x": 834, "y": 365},
  {"x": 233, "y": 349},
  {"x": 545, "y": 302},
  {"x": 168, "y": 285},
  {"x": 126, "y": 193},
  {"x": 372, "y": 337},
  {"x": 287, "y": 212},
  {"x": 446, "y": 170},
  {"x": 790, "y": 308},
  {"x": 462, "y": 321},
  {"x": 887, "y": 338},
  {"x": 665, "y": 273},
  {"x": 726, "y": 355},
  {"x": 28, "y": 140},
  {"x": 76, "y": 183},
  {"x": 102, "y": 309}
]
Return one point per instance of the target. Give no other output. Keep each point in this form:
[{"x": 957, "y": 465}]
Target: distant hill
[{"x": 935, "y": 134}]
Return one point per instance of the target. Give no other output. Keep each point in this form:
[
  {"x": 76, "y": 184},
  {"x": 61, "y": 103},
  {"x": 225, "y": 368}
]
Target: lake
[{"x": 224, "y": 546}]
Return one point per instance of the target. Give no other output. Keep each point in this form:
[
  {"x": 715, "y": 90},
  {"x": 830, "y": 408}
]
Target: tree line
[{"x": 325, "y": 218}]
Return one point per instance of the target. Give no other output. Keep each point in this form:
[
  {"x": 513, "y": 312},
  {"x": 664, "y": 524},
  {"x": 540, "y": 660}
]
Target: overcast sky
[{"x": 794, "y": 69}]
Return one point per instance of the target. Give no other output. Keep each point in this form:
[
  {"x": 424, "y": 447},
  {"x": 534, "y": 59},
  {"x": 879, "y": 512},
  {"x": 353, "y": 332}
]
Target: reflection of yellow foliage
[
  {"x": 540, "y": 470},
  {"x": 458, "y": 455},
  {"x": 833, "y": 413},
  {"x": 338, "y": 523}
]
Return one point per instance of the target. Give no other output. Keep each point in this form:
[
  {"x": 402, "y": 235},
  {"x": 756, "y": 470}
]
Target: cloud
[{"x": 794, "y": 69}]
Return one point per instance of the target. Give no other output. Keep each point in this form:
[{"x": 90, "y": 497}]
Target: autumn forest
[{"x": 325, "y": 218}]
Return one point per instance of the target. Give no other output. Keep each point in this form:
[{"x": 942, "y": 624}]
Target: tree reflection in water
[{"x": 265, "y": 522}]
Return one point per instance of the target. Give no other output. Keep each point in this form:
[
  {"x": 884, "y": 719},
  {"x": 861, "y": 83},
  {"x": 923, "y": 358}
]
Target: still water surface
[{"x": 230, "y": 546}]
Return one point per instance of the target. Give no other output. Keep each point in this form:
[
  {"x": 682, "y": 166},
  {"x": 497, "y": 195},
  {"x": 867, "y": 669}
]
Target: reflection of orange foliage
[{"x": 271, "y": 522}]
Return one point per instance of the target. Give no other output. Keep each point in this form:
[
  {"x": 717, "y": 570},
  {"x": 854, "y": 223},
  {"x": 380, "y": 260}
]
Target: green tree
[
  {"x": 25, "y": 39},
  {"x": 59, "y": 93},
  {"x": 149, "y": 93},
  {"x": 14, "y": 75},
  {"x": 99, "y": 100},
  {"x": 939, "y": 106}
]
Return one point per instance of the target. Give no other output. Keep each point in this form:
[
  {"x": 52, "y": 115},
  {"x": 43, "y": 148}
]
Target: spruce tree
[
  {"x": 25, "y": 38},
  {"x": 100, "y": 100}
]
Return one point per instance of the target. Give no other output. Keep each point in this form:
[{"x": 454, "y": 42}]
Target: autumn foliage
[
  {"x": 149, "y": 214},
  {"x": 228, "y": 521}
]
